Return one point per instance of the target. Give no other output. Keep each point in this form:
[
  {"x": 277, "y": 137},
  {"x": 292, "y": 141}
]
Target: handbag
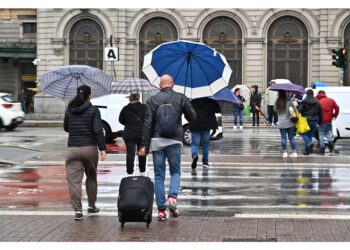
[
  {"x": 301, "y": 125},
  {"x": 293, "y": 113}
]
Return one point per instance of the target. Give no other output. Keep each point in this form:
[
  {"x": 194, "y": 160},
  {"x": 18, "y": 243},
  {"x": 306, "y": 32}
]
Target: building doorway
[{"x": 287, "y": 50}]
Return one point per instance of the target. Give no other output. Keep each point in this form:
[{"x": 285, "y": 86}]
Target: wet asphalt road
[{"x": 247, "y": 176}]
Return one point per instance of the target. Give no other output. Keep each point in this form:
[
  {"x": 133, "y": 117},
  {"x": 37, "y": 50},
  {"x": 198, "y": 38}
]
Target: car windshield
[{"x": 8, "y": 98}]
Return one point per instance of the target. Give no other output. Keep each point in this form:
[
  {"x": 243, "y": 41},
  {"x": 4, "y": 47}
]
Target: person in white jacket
[{"x": 271, "y": 98}]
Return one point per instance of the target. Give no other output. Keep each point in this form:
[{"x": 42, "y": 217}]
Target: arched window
[
  {"x": 225, "y": 35},
  {"x": 287, "y": 50},
  {"x": 86, "y": 44},
  {"x": 347, "y": 45},
  {"x": 154, "y": 32}
]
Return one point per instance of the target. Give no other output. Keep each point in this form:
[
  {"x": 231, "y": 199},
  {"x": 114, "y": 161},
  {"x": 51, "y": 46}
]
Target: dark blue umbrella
[
  {"x": 197, "y": 70},
  {"x": 290, "y": 87},
  {"x": 226, "y": 95},
  {"x": 63, "y": 82}
]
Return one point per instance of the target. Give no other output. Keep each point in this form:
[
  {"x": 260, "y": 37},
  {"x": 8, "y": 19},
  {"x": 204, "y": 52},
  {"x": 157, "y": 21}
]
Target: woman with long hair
[
  {"x": 285, "y": 125},
  {"x": 83, "y": 123},
  {"x": 132, "y": 117}
]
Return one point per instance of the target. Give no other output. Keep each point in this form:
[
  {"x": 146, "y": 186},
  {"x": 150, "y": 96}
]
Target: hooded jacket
[
  {"x": 132, "y": 117},
  {"x": 84, "y": 126},
  {"x": 328, "y": 105},
  {"x": 311, "y": 109},
  {"x": 205, "y": 109}
]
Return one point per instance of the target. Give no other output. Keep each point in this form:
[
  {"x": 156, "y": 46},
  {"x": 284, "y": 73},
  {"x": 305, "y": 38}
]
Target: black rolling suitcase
[{"x": 135, "y": 200}]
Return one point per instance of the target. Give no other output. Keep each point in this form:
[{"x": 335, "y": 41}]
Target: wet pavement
[
  {"x": 247, "y": 181},
  {"x": 247, "y": 176},
  {"x": 217, "y": 191}
]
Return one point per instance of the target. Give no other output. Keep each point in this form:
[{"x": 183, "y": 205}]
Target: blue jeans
[
  {"x": 203, "y": 138},
  {"x": 238, "y": 112},
  {"x": 290, "y": 132},
  {"x": 325, "y": 130},
  {"x": 173, "y": 154},
  {"x": 307, "y": 137}
]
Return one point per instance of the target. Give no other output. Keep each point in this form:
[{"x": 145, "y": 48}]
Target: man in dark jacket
[
  {"x": 255, "y": 103},
  {"x": 132, "y": 117},
  {"x": 200, "y": 129},
  {"x": 330, "y": 111},
  {"x": 311, "y": 109},
  {"x": 165, "y": 148}
]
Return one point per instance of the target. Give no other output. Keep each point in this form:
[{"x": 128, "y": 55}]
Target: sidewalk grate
[{"x": 249, "y": 240}]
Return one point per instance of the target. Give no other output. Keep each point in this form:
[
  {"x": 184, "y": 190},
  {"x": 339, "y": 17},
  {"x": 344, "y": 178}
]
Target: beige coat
[{"x": 271, "y": 97}]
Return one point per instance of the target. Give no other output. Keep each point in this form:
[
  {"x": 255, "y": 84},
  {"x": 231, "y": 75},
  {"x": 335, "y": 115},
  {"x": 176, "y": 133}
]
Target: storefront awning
[{"x": 18, "y": 53}]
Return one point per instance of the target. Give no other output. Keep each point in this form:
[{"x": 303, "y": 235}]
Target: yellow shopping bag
[{"x": 302, "y": 125}]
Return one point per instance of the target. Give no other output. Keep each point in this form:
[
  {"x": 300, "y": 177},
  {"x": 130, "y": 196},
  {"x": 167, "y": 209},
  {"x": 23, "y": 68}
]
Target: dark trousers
[
  {"x": 256, "y": 116},
  {"x": 130, "y": 156},
  {"x": 78, "y": 161},
  {"x": 272, "y": 114}
]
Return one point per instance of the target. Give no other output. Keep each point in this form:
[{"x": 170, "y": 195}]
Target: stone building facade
[
  {"x": 259, "y": 44},
  {"x": 17, "y": 51}
]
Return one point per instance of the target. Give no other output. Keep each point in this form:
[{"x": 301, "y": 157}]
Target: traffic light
[{"x": 339, "y": 57}]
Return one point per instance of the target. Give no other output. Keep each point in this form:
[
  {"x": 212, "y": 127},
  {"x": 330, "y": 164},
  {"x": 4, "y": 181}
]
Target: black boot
[
  {"x": 331, "y": 148},
  {"x": 322, "y": 151}
]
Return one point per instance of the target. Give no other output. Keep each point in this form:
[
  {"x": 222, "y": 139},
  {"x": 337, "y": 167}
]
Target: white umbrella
[{"x": 245, "y": 91}]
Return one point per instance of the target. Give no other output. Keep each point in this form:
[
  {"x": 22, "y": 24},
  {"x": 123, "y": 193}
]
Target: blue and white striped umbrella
[
  {"x": 63, "y": 82},
  {"x": 197, "y": 70}
]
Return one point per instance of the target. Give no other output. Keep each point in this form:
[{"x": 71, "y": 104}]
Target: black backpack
[{"x": 166, "y": 123}]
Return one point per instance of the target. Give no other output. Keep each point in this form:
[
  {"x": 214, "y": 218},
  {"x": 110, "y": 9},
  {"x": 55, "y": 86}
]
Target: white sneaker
[
  {"x": 143, "y": 173},
  {"x": 206, "y": 165},
  {"x": 234, "y": 127},
  {"x": 293, "y": 155},
  {"x": 241, "y": 127},
  {"x": 285, "y": 155}
]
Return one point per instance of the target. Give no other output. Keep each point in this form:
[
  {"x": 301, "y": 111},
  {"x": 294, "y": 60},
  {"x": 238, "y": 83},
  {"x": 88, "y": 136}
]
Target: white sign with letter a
[{"x": 111, "y": 54}]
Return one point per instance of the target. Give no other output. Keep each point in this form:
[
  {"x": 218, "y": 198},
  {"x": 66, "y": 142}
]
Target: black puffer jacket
[
  {"x": 205, "y": 109},
  {"x": 182, "y": 106},
  {"x": 311, "y": 109},
  {"x": 132, "y": 117},
  {"x": 84, "y": 126}
]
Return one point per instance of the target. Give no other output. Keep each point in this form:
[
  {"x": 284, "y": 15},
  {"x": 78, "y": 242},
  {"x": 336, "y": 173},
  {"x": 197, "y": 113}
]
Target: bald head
[{"x": 166, "y": 81}]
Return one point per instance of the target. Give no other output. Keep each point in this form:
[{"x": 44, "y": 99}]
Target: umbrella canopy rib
[{"x": 94, "y": 82}]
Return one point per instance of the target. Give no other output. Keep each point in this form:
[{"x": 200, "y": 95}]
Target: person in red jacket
[{"x": 330, "y": 110}]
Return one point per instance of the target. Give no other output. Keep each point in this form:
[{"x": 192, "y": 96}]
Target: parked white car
[
  {"x": 11, "y": 113},
  {"x": 110, "y": 107}
]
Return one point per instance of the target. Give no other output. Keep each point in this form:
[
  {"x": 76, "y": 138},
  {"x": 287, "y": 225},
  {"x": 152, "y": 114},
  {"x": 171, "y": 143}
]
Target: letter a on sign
[{"x": 111, "y": 54}]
